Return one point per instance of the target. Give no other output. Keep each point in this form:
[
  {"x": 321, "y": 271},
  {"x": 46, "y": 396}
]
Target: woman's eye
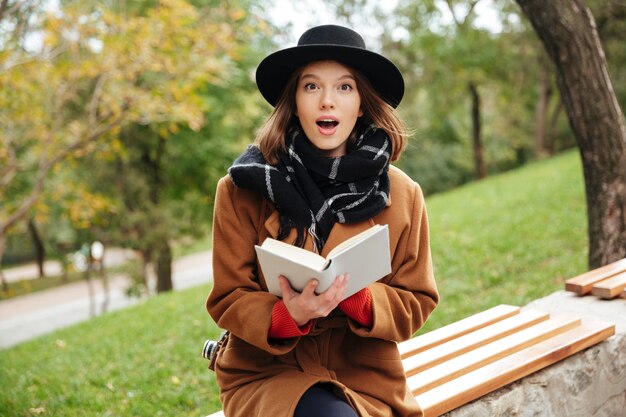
[
  {"x": 310, "y": 86},
  {"x": 346, "y": 87}
]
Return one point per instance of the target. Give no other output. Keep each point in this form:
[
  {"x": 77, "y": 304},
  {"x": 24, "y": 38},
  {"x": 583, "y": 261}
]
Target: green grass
[
  {"x": 141, "y": 361},
  {"x": 508, "y": 239},
  {"x": 189, "y": 248}
]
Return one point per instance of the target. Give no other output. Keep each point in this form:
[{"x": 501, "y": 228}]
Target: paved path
[
  {"x": 112, "y": 257},
  {"x": 23, "y": 318}
]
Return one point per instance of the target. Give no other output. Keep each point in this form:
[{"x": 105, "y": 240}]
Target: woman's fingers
[
  {"x": 309, "y": 290},
  {"x": 301, "y": 306},
  {"x": 308, "y": 305},
  {"x": 334, "y": 293},
  {"x": 285, "y": 288}
]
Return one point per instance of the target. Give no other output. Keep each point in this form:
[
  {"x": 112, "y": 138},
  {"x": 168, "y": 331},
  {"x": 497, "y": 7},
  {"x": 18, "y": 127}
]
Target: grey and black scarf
[{"x": 312, "y": 192}]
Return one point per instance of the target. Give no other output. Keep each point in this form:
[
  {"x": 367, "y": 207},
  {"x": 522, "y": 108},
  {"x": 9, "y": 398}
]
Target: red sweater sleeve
[
  {"x": 359, "y": 307},
  {"x": 283, "y": 326}
]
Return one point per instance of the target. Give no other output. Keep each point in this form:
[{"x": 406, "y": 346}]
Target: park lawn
[
  {"x": 508, "y": 239},
  {"x": 140, "y": 361}
]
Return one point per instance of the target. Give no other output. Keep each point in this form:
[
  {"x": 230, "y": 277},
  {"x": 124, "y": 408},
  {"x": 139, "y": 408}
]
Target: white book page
[
  {"x": 348, "y": 243},
  {"x": 294, "y": 253},
  {"x": 366, "y": 261}
]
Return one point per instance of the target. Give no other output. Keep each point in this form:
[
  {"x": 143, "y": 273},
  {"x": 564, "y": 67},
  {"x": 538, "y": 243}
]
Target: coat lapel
[
  {"x": 343, "y": 231},
  {"x": 272, "y": 224}
]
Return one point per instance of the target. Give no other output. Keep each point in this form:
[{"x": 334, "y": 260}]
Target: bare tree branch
[
  {"x": 470, "y": 10},
  {"x": 458, "y": 21},
  {"x": 451, "y": 8},
  {"x": 11, "y": 169},
  {"x": 3, "y": 8},
  {"x": 21, "y": 10},
  {"x": 6, "y": 10},
  {"x": 27, "y": 59},
  {"x": 92, "y": 107},
  {"x": 46, "y": 166}
]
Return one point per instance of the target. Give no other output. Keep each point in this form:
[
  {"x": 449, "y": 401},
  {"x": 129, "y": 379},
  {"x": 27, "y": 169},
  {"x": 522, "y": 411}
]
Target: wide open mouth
[{"x": 327, "y": 123}]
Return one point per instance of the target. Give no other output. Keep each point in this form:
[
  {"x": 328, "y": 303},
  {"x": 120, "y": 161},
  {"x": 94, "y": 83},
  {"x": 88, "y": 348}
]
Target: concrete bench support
[{"x": 591, "y": 383}]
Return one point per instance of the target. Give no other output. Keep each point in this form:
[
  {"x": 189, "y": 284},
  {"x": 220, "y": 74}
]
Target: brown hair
[{"x": 282, "y": 121}]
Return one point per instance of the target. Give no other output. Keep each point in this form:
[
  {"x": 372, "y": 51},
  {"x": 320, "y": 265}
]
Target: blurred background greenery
[{"x": 118, "y": 118}]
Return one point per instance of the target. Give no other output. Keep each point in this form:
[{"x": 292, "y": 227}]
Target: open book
[{"x": 364, "y": 256}]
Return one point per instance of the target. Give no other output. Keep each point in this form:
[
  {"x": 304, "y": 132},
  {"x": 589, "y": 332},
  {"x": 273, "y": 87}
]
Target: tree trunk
[
  {"x": 543, "y": 99},
  {"x": 568, "y": 32},
  {"x": 554, "y": 120},
  {"x": 163, "y": 250},
  {"x": 479, "y": 159},
  {"x": 3, "y": 241},
  {"x": 164, "y": 268},
  {"x": 90, "y": 290},
  {"x": 39, "y": 248},
  {"x": 146, "y": 258},
  {"x": 104, "y": 277}
]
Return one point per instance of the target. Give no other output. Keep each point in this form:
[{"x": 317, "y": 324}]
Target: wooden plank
[
  {"x": 582, "y": 284},
  {"x": 611, "y": 287},
  {"x": 467, "y": 362},
  {"x": 438, "y": 354},
  {"x": 484, "y": 380},
  {"x": 456, "y": 329}
]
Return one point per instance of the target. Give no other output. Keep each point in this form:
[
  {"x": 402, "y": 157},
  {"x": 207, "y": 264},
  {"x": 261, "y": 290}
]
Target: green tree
[
  {"x": 95, "y": 73},
  {"x": 610, "y": 16},
  {"x": 161, "y": 177},
  {"x": 444, "y": 62},
  {"x": 471, "y": 90},
  {"x": 568, "y": 32}
]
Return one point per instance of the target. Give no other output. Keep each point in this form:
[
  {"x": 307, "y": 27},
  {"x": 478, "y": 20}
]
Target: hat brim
[{"x": 274, "y": 71}]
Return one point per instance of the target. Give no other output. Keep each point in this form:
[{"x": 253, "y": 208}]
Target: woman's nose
[{"x": 327, "y": 101}]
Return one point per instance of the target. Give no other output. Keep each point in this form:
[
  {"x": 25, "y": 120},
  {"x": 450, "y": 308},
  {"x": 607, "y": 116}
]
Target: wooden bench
[
  {"x": 460, "y": 362},
  {"x": 606, "y": 282}
]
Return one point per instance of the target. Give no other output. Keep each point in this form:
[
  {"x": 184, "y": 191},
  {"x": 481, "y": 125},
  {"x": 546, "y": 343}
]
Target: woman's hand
[{"x": 307, "y": 305}]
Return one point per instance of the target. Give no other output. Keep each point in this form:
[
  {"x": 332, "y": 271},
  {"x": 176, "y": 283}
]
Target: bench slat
[
  {"x": 475, "y": 384},
  {"x": 456, "y": 329},
  {"x": 438, "y": 354},
  {"x": 467, "y": 362},
  {"x": 611, "y": 287},
  {"x": 582, "y": 284}
]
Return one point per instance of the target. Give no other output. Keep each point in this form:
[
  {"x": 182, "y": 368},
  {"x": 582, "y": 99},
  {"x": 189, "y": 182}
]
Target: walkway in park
[
  {"x": 25, "y": 317},
  {"x": 112, "y": 257}
]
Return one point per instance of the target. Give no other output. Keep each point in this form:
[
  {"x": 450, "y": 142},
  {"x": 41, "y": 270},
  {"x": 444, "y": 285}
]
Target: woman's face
[{"x": 328, "y": 105}]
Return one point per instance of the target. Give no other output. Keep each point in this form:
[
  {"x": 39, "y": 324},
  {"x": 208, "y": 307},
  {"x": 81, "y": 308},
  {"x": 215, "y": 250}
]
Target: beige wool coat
[{"x": 266, "y": 378}]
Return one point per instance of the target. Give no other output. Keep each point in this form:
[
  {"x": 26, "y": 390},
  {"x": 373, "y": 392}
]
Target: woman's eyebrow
[
  {"x": 342, "y": 77},
  {"x": 309, "y": 76}
]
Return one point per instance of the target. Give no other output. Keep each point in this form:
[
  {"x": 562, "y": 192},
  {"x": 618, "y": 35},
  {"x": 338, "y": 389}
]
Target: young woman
[{"x": 318, "y": 174}]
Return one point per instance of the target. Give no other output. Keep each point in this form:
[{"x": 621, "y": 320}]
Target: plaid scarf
[{"x": 312, "y": 192}]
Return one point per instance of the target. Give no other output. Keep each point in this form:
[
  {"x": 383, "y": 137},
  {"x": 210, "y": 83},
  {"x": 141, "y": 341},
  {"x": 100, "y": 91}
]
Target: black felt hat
[{"x": 329, "y": 42}]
